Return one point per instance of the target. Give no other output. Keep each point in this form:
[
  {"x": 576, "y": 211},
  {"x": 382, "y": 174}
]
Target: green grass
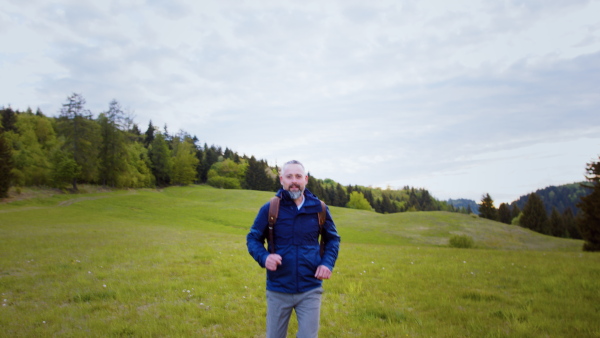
[{"x": 173, "y": 263}]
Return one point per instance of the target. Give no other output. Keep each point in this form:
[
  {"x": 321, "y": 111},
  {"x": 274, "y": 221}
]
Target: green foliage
[
  {"x": 504, "y": 214},
  {"x": 589, "y": 222},
  {"x": 64, "y": 169},
  {"x": 257, "y": 176},
  {"x": 112, "y": 154},
  {"x": 6, "y": 165},
  {"x": 358, "y": 201},
  {"x": 160, "y": 157},
  {"x": 184, "y": 161},
  {"x": 561, "y": 197},
  {"x": 461, "y": 241},
  {"x": 83, "y": 138},
  {"x": 226, "y": 174},
  {"x": 487, "y": 208},
  {"x": 534, "y": 215}
]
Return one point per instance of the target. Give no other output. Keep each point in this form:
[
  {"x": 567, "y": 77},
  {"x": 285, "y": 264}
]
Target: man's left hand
[{"x": 323, "y": 272}]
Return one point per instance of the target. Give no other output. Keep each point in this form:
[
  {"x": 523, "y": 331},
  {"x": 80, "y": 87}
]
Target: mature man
[{"x": 296, "y": 269}]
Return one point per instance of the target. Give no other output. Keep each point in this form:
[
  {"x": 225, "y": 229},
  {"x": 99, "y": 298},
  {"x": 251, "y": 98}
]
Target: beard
[{"x": 295, "y": 194}]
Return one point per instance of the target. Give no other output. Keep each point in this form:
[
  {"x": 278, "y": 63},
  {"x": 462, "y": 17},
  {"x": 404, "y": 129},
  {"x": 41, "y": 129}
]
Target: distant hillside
[
  {"x": 464, "y": 203},
  {"x": 560, "y": 197}
]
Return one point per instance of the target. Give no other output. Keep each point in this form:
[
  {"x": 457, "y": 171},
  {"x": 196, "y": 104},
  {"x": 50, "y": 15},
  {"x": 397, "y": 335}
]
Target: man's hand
[
  {"x": 323, "y": 272},
  {"x": 273, "y": 260}
]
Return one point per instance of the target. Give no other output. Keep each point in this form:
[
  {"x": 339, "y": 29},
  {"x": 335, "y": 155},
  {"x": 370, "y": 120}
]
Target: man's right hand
[{"x": 273, "y": 260}]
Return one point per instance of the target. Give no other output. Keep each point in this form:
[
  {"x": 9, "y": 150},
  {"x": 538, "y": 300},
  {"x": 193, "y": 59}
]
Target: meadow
[{"x": 173, "y": 263}]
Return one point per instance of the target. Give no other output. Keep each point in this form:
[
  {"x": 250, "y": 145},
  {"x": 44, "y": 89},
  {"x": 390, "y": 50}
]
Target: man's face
[{"x": 293, "y": 179}]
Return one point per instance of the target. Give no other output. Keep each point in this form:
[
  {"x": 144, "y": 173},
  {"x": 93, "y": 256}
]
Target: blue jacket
[{"x": 296, "y": 241}]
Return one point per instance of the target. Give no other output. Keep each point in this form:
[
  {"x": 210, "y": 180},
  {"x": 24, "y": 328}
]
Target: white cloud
[{"x": 379, "y": 93}]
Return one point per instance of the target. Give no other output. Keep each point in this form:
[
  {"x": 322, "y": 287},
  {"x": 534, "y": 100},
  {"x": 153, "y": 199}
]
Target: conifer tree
[
  {"x": 570, "y": 224},
  {"x": 487, "y": 208},
  {"x": 112, "y": 155},
  {"x": 555, "y": 224},
  {"x": 534, "y": 215},
  {"x": 6, "y": 164},
  {"x": 589, "y": 220},
  {"x": 256, "y": 176},
  {"x": 504, "y": 214},
  {"x": 162, "y": 163},
  {"x": 514, "y": 210},
  {"x": 83, "y": 137},
  {"x": 149, "y": 134}
]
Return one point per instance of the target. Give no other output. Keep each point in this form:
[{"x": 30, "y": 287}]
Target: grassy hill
[{"x": 174, "y": 263}]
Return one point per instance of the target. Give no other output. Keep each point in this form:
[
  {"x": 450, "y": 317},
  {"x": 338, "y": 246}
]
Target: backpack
[{"x": 274, "y": 212}]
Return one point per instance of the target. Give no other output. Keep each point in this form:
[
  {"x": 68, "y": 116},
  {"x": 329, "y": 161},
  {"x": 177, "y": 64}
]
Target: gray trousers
[{"x": 279, "y": 309}]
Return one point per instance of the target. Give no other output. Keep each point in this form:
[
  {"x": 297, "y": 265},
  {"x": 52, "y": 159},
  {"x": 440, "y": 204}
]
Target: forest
[{"x": 111, "y": 150}]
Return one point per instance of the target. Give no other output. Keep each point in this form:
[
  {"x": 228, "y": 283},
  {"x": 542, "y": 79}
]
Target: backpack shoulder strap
[
  {"x": 322, "y": 216},
  {"x": 273, "y": 213}
]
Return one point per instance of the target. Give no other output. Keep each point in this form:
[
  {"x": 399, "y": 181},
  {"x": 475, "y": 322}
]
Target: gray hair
[{"x": 292, "y": 162}]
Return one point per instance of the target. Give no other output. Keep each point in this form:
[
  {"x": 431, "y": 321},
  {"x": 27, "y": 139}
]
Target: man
[{"x": 296, "y": 270}]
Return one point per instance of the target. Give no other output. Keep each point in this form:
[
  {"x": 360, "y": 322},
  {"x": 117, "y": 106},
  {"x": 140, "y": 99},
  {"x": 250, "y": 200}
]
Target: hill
[
  {"x": 561, "y": 197},
  {"x": 173, "y": 262},
  {"x": 232, "y": 211}
]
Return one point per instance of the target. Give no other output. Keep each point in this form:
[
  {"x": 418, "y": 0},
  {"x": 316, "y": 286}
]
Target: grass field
[{"x": 173, "y": 263}]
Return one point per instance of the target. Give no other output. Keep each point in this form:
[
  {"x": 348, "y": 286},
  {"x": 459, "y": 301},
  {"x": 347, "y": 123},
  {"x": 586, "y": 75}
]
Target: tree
[
  {"x": 64, "y": 169},
  {"x": 570, "y": 224},
  {"x": 504, "y": 214},
  {"x": 149, "y": 135},
  {"x": 6, "y": 165},
  {"x": 358, "y": 201},
  {"x": 534, "y": 215},
  {"x": 82, "y": 137},
  {"x": 184, "y": 161},
  {"x": 257, "y": 175},
  {"x": 589, "y": 220},
  {"x": 487, "y": 208},
  {"x": 226, "y": 174},
  {"x": 514, "y": 210},
  {"x": 160, "y": 157},
  {"x": 555, "y": 224},
  {"x": 112, "y": 155}
]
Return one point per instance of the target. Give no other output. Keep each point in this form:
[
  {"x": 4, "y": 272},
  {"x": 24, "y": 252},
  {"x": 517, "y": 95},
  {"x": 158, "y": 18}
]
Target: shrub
[{"x": 462, "y": 241}]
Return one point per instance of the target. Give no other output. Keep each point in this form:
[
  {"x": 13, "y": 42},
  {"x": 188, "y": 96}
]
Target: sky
[{"x": 461, "y": 98}]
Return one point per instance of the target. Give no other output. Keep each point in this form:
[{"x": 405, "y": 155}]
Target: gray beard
[{"x": 295, "y": 194}]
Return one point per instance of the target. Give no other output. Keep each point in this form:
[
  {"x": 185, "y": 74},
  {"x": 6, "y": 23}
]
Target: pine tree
[
  {"x": 83, "y": 137},
  {"x": 149, "y": 134},
  {"x": 555, "y": 224},
  {"x": 570, "y": 224},
  {"x": 6, "y": 165},
  {"x": 589, "y": 220},
  {"x": 256, "y": 176},
  {"x": 162, "y": 163},
  {"x": 514, "y": 210},
  {"x": 504, "y": 214},
  {"x": 534, "y": 215},
  {"x": 112, "y": 150},
  {"x": 487, "y": 208}
]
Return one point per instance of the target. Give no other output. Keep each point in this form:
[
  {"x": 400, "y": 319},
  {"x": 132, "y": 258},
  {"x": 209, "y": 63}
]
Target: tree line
[
  {"x": 534, "y": 214},
  {"x": 110, "y": 149}
]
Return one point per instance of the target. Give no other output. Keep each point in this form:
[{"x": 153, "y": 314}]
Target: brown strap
[
  {"x": 322, "y": 217},
  {"x": 273, "y": 213}
]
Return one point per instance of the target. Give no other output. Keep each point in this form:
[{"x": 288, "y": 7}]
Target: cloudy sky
[{"x": 462, "y": 97}]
